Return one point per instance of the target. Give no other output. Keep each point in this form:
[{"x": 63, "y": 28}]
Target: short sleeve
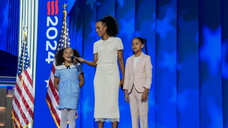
[
  {"x": 95, "y": 48},
  {"x": 79, "y": 69},
  {"x": 57, "y": 73},
  {"x": 119, "y": 44}
]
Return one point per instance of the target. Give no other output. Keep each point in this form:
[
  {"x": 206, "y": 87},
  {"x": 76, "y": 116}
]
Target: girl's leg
[
  {"x": 100, "y": 124},
  {"x": 64, "y": 115},
  {"x": 134, "y": 101},
  {"x": 143, "y": 113},
  {"x": 115, "y": 124},
  {"x": 71, "y": 118}
]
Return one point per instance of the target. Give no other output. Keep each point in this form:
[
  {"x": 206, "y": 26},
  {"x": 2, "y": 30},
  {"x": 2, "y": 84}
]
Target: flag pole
[
  {"x": 64, "y": 20},
  {"x": 23, "y": 54}
]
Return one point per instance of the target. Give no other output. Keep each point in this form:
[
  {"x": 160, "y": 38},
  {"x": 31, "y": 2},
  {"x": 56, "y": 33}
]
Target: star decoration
[
  {"x": 127, "y": 28},
  {"x": 169, "y": 61},
  {"x": 164, "y": 25},
  {"x": 210, "y": 52}
]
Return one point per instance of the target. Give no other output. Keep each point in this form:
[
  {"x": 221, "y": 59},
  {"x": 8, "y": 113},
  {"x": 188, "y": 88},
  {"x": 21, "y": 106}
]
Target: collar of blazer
[{"x": 142, "y": 55}]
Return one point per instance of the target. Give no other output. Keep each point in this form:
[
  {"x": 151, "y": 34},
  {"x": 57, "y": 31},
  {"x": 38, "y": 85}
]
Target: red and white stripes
[{"x": 23, "y": 100}]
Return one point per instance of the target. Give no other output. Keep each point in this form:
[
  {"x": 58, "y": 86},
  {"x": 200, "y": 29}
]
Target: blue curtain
[
  {"x": 224, "y": 58},
  {"x": 188, "y": 44},
  {"x": 9, "y": 25},
  {"x": 4, "y": 7},
  {"x": 13, "y": 27}
]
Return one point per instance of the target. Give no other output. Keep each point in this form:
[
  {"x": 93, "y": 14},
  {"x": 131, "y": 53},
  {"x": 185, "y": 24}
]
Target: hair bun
[
  {"x": 112, "y": 25},
  {"x": 110, "y": 20}
]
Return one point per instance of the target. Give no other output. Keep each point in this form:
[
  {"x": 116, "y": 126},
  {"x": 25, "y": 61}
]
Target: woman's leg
[
  {"x": 71, "y": 118},
  {"x": 100, "y": 124},
  {"x": 63, "y": 121},
  {"x": 115, "y": 124}
]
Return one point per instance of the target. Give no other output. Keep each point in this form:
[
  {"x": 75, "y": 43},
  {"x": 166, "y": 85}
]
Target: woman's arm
[
  {"x": 91, "y": 63},
  {"x": 56, "y": 82},
  {"x": 121, "y": 63}
]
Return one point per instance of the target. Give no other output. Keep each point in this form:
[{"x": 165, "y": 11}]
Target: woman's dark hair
[
  {"x": 112, "y": 25},
  {"x": 59, "y": 56}
]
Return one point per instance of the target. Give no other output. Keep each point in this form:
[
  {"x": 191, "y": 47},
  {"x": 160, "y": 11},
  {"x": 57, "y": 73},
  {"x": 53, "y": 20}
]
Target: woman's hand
[
  {"x": 80, "y": 59},
  {"x": 145, "y": 95},
  {"x": 91, "y": 63},
  {"x": 121, "y": 83}
]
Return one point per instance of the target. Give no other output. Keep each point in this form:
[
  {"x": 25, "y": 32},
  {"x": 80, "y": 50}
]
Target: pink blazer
[{"x": 140, "y": 76}]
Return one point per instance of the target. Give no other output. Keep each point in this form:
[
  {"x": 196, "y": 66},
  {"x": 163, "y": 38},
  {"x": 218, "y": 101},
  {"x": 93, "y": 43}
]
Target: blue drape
[
  {"x": 13, "y": 27},
  {"x": 9, "y": 26},
  {"x": 4, "y": 7}
]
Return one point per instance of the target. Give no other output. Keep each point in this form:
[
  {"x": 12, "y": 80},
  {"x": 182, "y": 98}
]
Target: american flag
[
  {"x": 52, "y": 96},
  {"x": 23, "y": 99}
]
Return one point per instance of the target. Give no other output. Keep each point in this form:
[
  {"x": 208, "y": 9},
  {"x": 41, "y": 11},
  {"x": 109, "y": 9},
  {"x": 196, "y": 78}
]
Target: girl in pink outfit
[{"x": 137, "y": 82}]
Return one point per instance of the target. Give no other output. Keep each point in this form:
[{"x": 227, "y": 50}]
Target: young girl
[
  {"x": 137, "y": 82},
  {"x": 68, "y": 81}
]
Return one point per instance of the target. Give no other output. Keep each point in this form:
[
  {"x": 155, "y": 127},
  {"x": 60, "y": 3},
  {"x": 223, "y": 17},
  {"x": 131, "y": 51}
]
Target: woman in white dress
[{"x": 107, "y": 52}]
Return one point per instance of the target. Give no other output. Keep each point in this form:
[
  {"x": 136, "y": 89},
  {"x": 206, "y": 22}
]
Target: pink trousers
[{"x": 139, "y": 110}]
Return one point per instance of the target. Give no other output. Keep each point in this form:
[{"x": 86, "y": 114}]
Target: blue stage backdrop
[
  {"x": 188, "y": 44},
  {"x": 9, "y": 26}
]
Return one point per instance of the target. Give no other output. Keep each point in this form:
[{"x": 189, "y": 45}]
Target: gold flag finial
[
  {"x": 64, "y": 11},
  {"x": 25, "y": 33}
]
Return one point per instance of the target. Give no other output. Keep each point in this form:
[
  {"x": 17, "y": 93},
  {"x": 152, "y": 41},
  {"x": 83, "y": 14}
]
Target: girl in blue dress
[{"x": 68, "y": 80}]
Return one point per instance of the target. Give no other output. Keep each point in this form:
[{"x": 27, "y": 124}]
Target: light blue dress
[{"x": 68, "y": 86}]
